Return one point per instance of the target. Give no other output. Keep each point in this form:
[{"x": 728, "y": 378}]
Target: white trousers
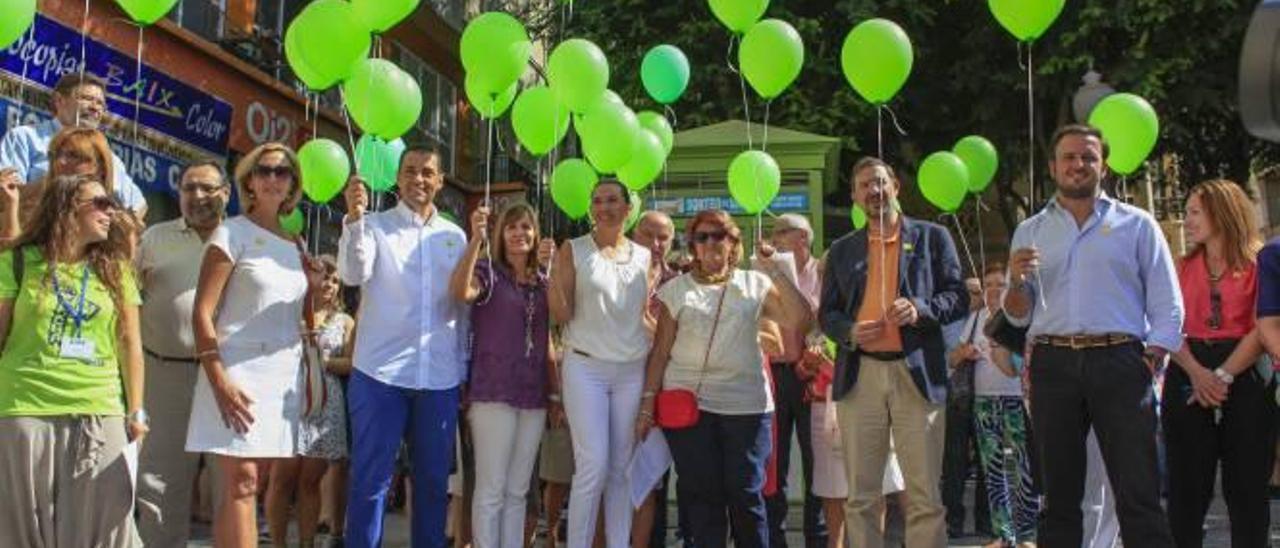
[
  {"x": 1101, "y": 527},
  {"x": 601, "y": 400},
  {"x": 506, "y": 447}
]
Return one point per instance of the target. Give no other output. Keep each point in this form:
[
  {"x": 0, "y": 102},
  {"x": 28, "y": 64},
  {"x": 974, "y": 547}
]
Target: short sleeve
[
  {"x": 129, "y": 285},
  {"x": 758, "y": 285},
  {"x": 223, "y": 239},
  {"x": 484, "y": 273},
  {"x": 672, "y": 293},
  {"x": 1269, "y": 280},
  {"x": 8, "y": 283}
]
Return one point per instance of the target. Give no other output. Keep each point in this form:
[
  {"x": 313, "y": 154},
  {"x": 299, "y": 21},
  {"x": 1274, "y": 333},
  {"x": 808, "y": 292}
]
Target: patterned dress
[{"x": 325, "y": 436}]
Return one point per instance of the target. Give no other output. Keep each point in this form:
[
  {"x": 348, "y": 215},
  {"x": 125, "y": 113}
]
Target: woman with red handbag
[{"x": 715, "y": 406}]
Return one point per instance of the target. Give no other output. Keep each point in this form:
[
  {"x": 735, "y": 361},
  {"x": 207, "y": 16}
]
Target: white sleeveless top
[{"x": 609, "y": 302}]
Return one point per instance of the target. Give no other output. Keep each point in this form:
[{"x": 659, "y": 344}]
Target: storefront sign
[{"x": 687, "y": 206}]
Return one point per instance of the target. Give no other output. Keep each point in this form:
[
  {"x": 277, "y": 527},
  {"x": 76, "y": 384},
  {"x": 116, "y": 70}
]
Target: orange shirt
[{"x": 881, "y": 290}]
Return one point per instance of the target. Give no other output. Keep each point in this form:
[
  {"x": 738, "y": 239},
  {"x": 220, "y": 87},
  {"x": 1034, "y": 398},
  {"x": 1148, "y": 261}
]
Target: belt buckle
[{"x": 1077, "y": 342}]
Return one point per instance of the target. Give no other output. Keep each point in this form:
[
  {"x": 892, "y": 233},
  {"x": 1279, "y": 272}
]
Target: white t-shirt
[
  {"x": 733, "y": 382},
  {"x": 609, "y": 302},
  {"x": 262, "y": 302},
  {"x": 988, "y": 380}
]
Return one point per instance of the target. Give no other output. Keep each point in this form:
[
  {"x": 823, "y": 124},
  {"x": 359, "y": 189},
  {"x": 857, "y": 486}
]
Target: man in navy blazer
[{"x": 887, "y": 291}]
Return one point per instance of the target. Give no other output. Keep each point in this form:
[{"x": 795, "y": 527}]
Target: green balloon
[
  {"x": 771, "y": 56},
  {"x": 660, "y": 127},
  {"x": 578, "y": 73},
  {"x": 646, "y": 162},
  {"x": 609, "y": 132},
  {"x": 1129, "y": 126},
  {"x": 571, "y": 184},
  {"x": 754, "y": 180},
  {"x": 876, "y": 59},
  {"x": 381, "y": 15},
  {"x": 979, "y": 155},
  {"x": 292, "y": 222},
  {"x": 858, "y": 216},
  {"x": 738, "y": 15},
  {"x": 383, "y": 100},
  {"x": 1026, "y": 20},
  {"x": 377, "y": 161},
  {"x": 944, "y": 180},
  {"x": 18, "y": 16},
  {"x": 325, "y": 169},
  {"x": 326, "y": 45},
  {"x": 539, "y": 120},
  {"x": 636, "y": 211},
  {"x": 495, "y": 48},
  {"x": 489, "y": 105},
  {"x": 665, "y": 73},
  {"x": 143, "y": 12}
]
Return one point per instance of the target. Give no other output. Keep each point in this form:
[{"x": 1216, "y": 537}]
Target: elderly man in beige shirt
[{"x": 168, "y": 267}]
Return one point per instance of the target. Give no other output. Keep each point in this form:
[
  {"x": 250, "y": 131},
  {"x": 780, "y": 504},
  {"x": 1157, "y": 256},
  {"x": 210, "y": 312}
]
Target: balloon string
[
  {"x": 742, "y": 83},
  {"x": 1031, "y": 134},
  {"x": 84, "y": 50},
  {"x": 764, "y": 140},
  {"x": 884, "y": 253},
  {"x": 137, "y": 92},
  {"x": 964, "y": 241},
  {"x": 488, "y": 183},
  {"x": 1124, "y": 188},
  {"x": 350, "y": 134},
  {"x": 982, "y": 247},
  {"x": 880, "y": 131}
]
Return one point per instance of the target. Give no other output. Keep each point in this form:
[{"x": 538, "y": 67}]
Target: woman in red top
[{"x": 1215, "y": 405}]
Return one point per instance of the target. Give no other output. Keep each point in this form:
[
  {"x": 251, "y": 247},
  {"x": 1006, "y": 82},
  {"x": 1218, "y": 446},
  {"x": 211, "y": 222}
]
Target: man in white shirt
[
  {"x": 168, "y": 267},
  {"x": 410, "y": 349},
  {"x": 78, "y": 101}
]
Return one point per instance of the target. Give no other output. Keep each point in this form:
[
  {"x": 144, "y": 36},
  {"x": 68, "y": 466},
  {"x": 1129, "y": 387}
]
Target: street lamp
[{"x": 1091, "y": 92}]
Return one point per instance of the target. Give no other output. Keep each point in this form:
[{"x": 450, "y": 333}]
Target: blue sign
[
  {"x": 152, "y": 172},
  {"x": 165, "y": 104},
  {"x": 786, "y": 202}
]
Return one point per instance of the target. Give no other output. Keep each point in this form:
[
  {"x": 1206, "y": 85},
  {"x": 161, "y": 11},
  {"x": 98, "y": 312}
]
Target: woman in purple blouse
[{"x": 511, "y": 380}]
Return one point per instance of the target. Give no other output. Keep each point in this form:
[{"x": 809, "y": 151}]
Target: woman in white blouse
[
  {"x": 599, "y": 289},
  {"x": 707, "y": 343},
  {"x": 248, "y": 310}
]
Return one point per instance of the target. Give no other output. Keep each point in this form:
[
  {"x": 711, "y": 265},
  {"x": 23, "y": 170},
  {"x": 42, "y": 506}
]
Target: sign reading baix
[{"x": 166, "y": 105}]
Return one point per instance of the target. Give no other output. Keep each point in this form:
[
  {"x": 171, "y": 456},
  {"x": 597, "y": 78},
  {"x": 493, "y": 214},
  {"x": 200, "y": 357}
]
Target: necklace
[
  {"x": 529, "y": 309},
  {"x": 704, "y": 278}
]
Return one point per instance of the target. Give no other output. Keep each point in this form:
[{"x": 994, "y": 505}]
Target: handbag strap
[
  {"x": 308, "y": 308},
  {"x": 706, "y": 356}
]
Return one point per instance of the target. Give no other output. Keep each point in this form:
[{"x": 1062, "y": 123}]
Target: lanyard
[{"x": 77, "y": 315}]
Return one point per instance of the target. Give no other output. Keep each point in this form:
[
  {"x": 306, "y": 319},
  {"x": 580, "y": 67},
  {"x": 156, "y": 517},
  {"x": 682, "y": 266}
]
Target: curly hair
[
  {"x": 54, "y": 227},
  {"x": 721, "y": 219}
]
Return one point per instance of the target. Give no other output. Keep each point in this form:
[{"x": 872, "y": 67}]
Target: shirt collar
[
  {"x": 412, "y": 216},
  {"x": 1100, "y": 205},
  {"x": 52, "y": 126}
]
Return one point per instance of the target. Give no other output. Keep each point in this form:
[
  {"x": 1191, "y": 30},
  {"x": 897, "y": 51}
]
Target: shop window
[
  {"x": 452, "y": 11},
  {"x": 436, "y": 124},
  {"x": 203, "y": 17}
]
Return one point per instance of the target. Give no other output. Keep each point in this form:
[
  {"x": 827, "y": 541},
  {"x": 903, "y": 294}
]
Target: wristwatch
[
  {"x": 1223, "y": 375},
  {"x": 140, "y": 416}
]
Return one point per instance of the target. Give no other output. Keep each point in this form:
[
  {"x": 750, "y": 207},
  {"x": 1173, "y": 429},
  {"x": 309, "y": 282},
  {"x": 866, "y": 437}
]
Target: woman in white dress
[
  {"x": 248, "y": 310},
  {"x": 322, "y": 436}
]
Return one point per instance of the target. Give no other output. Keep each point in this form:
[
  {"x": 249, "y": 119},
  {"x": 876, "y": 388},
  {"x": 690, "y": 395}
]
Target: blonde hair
[
  {"x": 1231, "y": 214},
  {"x": 244, "y": 172}
]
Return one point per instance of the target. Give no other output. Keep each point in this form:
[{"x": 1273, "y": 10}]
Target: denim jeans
[{"x": 720, "y": 465}]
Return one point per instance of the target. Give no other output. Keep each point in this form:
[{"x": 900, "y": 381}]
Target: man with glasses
[
  {"x": 1093, "y": 278},
  {"x": 78, "y": 101},
  {"x": 888, "y": 290},
  {"x": 168, "y": 267}
]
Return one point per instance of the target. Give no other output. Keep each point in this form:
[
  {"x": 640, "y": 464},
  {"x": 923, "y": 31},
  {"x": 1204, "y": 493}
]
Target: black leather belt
[
  {"x": 191, "y": 361},
  {"x": 1081, "y": 342},
  {"x": 884, "y": 356}
]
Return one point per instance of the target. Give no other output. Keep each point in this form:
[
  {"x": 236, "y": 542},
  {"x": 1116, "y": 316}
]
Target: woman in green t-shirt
[{"x": 70, "y": 372}]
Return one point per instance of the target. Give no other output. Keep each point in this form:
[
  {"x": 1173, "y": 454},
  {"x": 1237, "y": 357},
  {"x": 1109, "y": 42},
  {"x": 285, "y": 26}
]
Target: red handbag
[{"x": 677, "y": 408}]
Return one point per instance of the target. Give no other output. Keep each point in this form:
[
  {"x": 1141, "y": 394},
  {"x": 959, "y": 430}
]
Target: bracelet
[
  {"x": 206, "y": 353},
  {"x": 553, "y": 398},
  {"x": 1224, "y": 376}
]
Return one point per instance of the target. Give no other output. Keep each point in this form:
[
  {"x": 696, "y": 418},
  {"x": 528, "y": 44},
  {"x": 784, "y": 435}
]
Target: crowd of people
[{"x": 583, "y": 372}]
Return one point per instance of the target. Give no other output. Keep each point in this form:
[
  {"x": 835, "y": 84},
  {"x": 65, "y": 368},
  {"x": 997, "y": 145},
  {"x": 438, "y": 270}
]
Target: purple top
[{"x": 509, "y": 340}]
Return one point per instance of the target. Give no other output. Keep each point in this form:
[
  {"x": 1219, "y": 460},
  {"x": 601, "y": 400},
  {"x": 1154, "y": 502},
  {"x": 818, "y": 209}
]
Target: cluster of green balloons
[
  {"x": 980, "y": 156},
  {"x": 754, "y": 180},
  {"x": 495, "y": 51},
  {"x": 377, "y": 161},
  {"x": 1026, "y": 20},
  {"x": 944, "y": 180},
  {"x": 325, "y": 168},
  {"x": 1130, "y": 127},
  {"x": 382, "y": 98},
  {"x": 876, "y": 59},
  {"x": 18, "y": 17},
  {"x": 143, "y": 12},
  {"x": 323, "y": 45},
  {"x": 539, "y": 120}
]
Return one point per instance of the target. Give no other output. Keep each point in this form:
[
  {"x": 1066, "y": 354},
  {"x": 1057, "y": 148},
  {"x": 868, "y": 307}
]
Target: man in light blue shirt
[
  {"x": 1093, "y": 279},
  {"x": 78, "y": 101}
]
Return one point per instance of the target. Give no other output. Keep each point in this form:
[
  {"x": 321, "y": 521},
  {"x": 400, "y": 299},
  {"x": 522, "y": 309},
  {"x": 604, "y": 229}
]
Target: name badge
[{"x": 79, "y": 349}]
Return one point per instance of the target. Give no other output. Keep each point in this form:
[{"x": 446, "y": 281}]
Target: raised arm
[
  {"x": 356, "y": 247},
  {"x": 464, "y": 285}
]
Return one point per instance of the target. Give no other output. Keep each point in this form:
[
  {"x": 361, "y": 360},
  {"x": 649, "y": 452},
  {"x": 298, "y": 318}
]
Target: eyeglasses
[
  {"x": 280, "y": 171},
  {"x": 1215, "y": 307},
  {"x": 201, "y": 188},
  {"x": 101, "y": 204},
  {"x": 715, "y": 236}
]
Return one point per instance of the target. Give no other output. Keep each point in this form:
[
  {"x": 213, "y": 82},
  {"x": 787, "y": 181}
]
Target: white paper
[
  {"x": 649, "y": 462},
  {"x": 785, "y": 259},
  {"x": 131, "y": 463}
]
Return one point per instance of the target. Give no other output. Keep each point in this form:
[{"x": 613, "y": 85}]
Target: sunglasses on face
[
  {"x": 281, "y": 171},
  {"x": 711, "y": 236},
  {"x": 101, "y": 204}
]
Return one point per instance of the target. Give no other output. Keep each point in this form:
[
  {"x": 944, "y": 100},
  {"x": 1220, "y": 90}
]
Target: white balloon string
[
  {"x": 346, "y": 118},
  {"x": 977, "y": 218},
  {"x": 884, "y": 254},
  {"x": 964, "y": 241},
  {"x": 137, "y": 91},
  {"x": 488, "y": 183},
  {"x": 84, "y": 50},
  {"x": 742, "y": 84},
  {"x": 880, "y": 131},
  {"x": 764, "y": 140},
  {"x": 1031, "y": 135},
  {"x": 893, "y": 117},
  {"x": 22, "y": 83}
]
